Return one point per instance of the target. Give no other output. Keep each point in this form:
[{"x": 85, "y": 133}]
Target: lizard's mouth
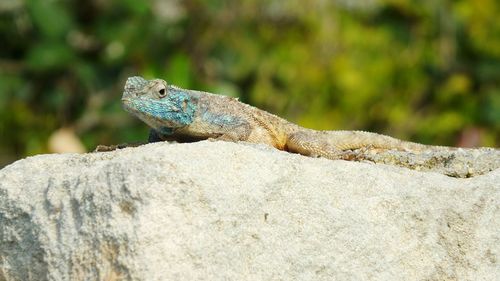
[
  {"x": 125, "y": 100},
  {"x": 127, "y": 105}
]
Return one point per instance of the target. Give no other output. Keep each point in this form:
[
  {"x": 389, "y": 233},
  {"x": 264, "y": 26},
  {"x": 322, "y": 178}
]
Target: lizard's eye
[{"x": 162, "y": 92}]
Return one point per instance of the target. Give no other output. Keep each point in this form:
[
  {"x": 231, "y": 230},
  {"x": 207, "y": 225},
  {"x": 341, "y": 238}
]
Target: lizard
[
  {"x": 187, "y": 115},
  {"x": 180, "y": 114}
]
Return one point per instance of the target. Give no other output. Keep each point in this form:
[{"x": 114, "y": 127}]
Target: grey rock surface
[
  {"x": 226, "y": 211},
  {"x": 459, "y": 162}
]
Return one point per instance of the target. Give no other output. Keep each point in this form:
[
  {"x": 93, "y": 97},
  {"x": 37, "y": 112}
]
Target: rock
[
  {"x": 459, "y": 162},
  {"x": 226, "y": 211}
]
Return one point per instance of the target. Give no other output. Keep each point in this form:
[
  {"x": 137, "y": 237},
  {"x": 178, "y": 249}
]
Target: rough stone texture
[
  {"x": 226, "y": 211},
  {"x": 460, "y": 162}
]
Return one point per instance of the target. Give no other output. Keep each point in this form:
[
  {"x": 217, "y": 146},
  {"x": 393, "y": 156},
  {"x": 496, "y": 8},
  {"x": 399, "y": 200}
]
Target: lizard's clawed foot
[{"x": 107, "y": 148}]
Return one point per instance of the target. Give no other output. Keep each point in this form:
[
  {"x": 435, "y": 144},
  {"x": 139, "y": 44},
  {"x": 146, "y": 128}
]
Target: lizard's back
[
  {"x": 233, "y": 120},
  {"x": 239, "y": 121}
]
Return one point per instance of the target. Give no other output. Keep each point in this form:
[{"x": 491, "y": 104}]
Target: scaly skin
[{"x": 179, "y": 114}]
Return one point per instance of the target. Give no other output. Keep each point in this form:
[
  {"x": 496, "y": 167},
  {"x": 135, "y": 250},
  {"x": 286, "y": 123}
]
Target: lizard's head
[{"x": 159, "y": 105}]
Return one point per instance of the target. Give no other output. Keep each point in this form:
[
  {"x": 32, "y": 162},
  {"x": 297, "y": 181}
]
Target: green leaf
[
  {"x": 50, "y": 17},
  {"x": 46, "y": 56},
  {"x": 179, "y": 71},
  {"x": 491, "y": 111},
  {"x": 137, "y": 7}
]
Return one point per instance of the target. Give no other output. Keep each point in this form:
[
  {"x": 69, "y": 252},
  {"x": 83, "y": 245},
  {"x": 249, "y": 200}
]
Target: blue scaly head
[{"x": 164, "y": 108}]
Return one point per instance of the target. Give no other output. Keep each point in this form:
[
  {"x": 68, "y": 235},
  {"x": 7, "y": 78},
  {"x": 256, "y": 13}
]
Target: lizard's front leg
[{"x": 154, "y": 136}]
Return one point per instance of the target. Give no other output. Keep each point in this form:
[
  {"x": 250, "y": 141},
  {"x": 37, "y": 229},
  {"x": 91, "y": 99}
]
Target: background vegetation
[{"x": 427, "y": 71}]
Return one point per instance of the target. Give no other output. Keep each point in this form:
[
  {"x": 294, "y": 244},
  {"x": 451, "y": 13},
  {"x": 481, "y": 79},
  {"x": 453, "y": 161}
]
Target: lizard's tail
[{"x": 332, "y": 144}]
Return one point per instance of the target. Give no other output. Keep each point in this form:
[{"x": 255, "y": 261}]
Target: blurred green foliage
[{"x": 427, "y": 71}]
